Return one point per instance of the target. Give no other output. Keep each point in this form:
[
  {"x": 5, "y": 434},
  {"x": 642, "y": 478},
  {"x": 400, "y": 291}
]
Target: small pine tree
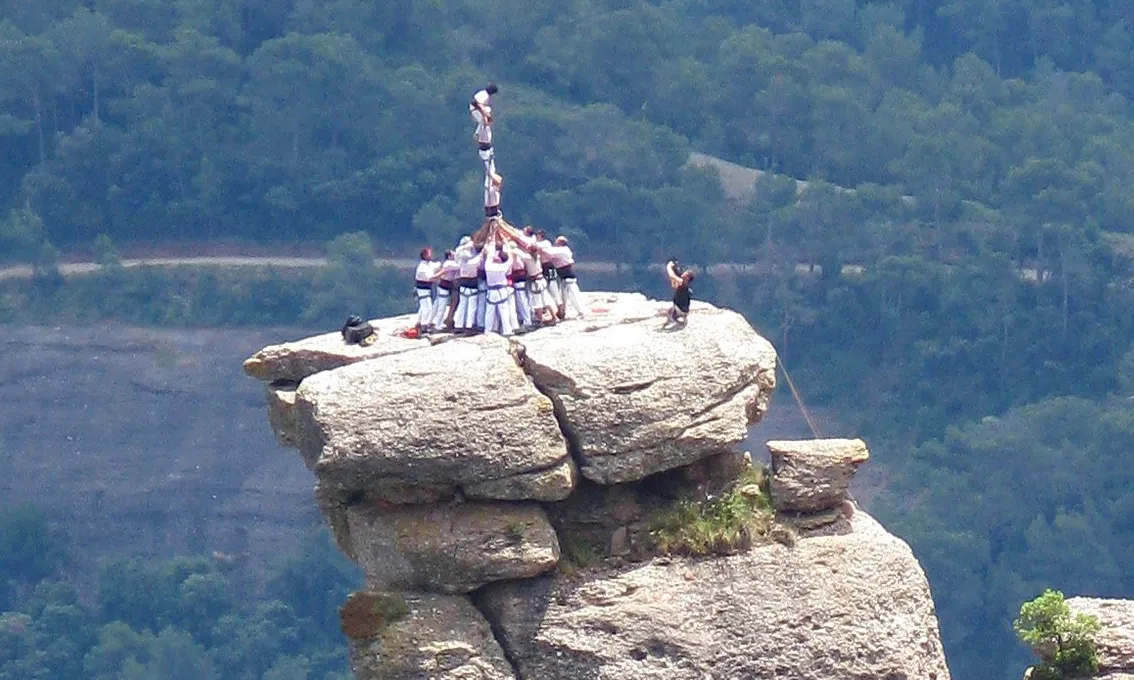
[{"x": 1064, "y": 642}]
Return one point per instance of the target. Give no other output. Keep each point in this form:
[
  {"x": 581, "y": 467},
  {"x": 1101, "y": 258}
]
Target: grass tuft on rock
[
  {"x": 726, "y": 524},
  {"x": 367, "y": 613},
  {"x": 578, "y": 552}
]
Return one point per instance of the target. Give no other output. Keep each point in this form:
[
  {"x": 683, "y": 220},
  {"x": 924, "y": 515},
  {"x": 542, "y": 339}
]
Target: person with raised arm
[
  {"x": 562, "y": 259},
  {"x": 468, "y": 263},
  {"x": 424, "y": 276},
  {"x": 498, "y": 263},
  {"x": 521, "y": 294},
  {"x": 554, "y": 293},
  {"x": 447, "y": 276},
  {"x": 679, "y": 280},
  {"x": 542, "y": 309}
]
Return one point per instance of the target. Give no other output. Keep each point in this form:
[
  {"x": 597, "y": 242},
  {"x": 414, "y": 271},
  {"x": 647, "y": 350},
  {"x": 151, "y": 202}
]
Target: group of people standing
[
  {"x": 499, "y": 279},
  {"x": 502, "y": 279}
]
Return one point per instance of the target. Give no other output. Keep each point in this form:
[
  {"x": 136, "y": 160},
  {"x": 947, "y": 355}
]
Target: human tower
[{"x": 506, "y": 280}]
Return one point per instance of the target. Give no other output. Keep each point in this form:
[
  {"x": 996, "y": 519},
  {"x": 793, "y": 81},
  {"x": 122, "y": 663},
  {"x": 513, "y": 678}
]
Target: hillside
[{"x": 948, "y": 146}]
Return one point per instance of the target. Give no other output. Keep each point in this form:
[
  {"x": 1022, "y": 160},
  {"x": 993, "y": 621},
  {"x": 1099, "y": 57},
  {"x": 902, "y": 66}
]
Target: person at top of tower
[{"x": 480, "y": 108}]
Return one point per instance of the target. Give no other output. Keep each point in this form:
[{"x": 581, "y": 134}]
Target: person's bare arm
[
  {"x": 671, "y": 274},
  {"x": 483, "y": 112}
]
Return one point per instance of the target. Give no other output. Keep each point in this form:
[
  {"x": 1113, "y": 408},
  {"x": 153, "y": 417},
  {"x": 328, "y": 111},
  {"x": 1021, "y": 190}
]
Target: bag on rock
[{"x": 356, "y": 331}]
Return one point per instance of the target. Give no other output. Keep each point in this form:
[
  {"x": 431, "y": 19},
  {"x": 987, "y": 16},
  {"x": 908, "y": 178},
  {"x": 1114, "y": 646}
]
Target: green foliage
[
  {"x": 178, "y": 619},
  {"x": 22, "y": 237},
  {"x": 1037, "y": 495},
  {"x": 316, "y": 581},
  {"x": 105, "y": 252},
  {"x": 30, "y": 550},
  {"x": 727, "y": 524},
  {"x": 578, "y": 552},
  {"x": 1064, "y": 642}
]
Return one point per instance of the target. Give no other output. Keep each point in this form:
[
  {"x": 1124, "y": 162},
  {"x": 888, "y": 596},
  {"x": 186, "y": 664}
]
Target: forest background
[{"x": 953, "y": 281}]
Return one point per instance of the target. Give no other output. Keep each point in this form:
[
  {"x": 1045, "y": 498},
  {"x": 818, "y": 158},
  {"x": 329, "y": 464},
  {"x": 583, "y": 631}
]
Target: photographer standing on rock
[{"x": 679, "y": 280}]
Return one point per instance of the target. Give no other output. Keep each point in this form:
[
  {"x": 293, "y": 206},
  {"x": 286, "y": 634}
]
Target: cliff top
[{"x": 545, "y": 506}]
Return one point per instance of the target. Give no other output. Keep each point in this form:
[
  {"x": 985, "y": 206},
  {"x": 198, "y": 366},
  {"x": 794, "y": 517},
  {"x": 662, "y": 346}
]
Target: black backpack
[{"x": 355, "y": 330}]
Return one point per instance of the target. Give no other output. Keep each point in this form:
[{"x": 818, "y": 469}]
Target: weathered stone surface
[
  {"x": 553, "y": 484},
  {"x": 451, "y": 548},
  {"x": 635, "y": 400},
  {"x": 1115, "y": 639},
  {"x": 813, "y": 475},
  {"x": 440, "y": 637},
  {"x": 458, "y": 413},
  {"x": 294, "y": 361},
  {"x": 853, "y": 607},
  {"x": 281, "y": 411}
]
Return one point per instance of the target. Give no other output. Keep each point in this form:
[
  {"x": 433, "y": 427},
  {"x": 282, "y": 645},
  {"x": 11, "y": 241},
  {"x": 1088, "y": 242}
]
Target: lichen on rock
[{"x": 450, "y": 548}]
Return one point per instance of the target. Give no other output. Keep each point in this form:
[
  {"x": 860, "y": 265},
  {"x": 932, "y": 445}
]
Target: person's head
[
  {"x": 560, "y": 240},
  {"x": 491, "y": 88},
  {"x": 449, "y": 255},
  {"x": 541, "y": 234},
  {"x": 528, "y": 231},
  {"x": 427, "y": 253}
]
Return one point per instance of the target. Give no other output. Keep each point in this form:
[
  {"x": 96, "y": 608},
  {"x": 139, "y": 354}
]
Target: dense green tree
[{"x": 30, "y": 549}]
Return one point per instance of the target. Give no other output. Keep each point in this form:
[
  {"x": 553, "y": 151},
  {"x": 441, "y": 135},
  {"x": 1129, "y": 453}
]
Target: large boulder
[
  {"x": 418, "y": 636},
  {"x": 457, "y": 413},
  {"x": 1115, "y": 639},
  {"x": 450, "y": 548},
  {"x": 635, "y": 400},
  {"x": 294, "y": 361},
  {"x": 855, "y": 606},
  {"x": 813, "y": 475}
]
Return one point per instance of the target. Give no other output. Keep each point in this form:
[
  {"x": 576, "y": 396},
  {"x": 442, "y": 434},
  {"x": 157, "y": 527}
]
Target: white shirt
[
  {"x": 469, "y": 264},
  {"x": 496, "y": 273},
  {"x": 558, "y": 256},
  {"x": 426, "y": 270},
  {"x": 450, "y": 270},
  {"x": 531, "y": 262},
  {"x": 483, "y": 129}
]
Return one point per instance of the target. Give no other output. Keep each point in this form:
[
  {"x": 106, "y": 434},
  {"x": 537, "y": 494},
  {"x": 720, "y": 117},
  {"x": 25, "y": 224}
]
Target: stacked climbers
[{"x": 460, "y": 472}]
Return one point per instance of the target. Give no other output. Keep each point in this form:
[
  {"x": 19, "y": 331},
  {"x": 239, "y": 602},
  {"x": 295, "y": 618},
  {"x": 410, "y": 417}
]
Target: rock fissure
[
  {"x": 728, "y": 396},
  {"x": 630, "y": 388},
  {"x": 498, "y": 635},
  {"x": 557, "y": 409},
  {"x": 502, "y": 405}
]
